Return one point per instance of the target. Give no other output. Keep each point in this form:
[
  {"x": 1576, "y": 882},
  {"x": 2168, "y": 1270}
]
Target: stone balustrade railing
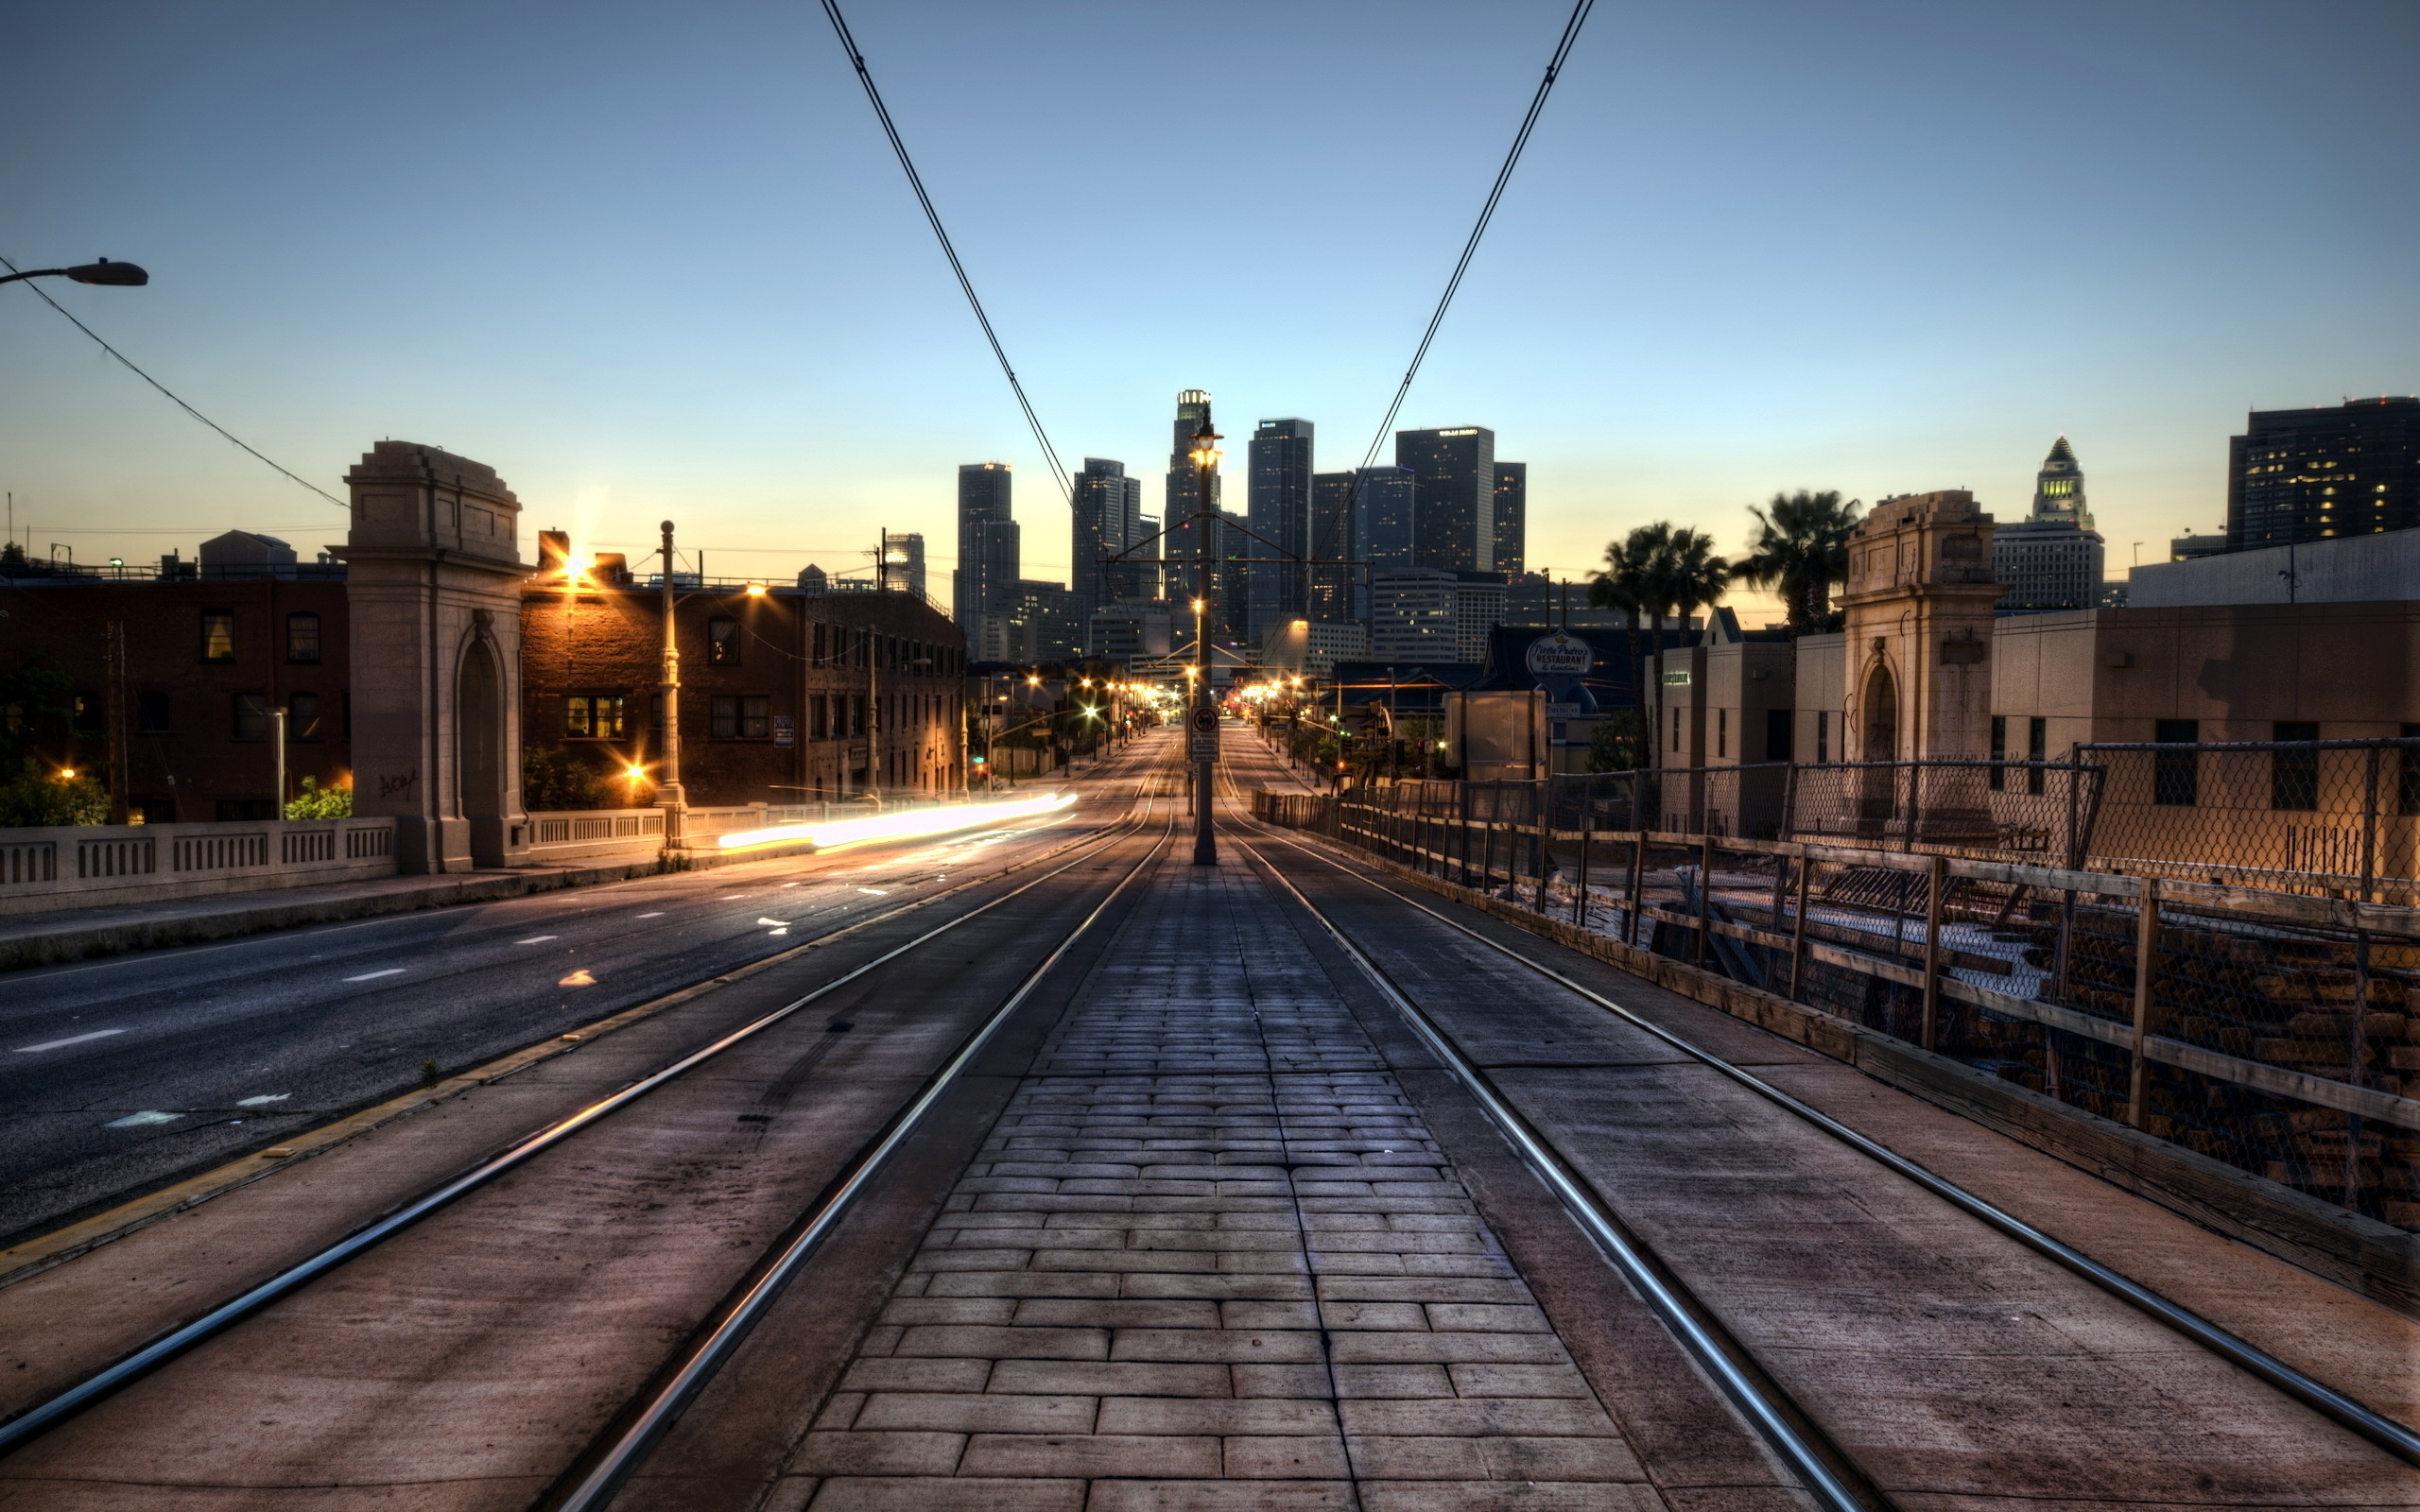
[{"x": 97, "y": 865}]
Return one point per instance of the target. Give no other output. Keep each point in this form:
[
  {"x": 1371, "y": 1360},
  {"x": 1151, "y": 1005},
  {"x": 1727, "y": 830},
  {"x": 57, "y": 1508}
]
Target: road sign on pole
[{"x": 1202, "y": 729}]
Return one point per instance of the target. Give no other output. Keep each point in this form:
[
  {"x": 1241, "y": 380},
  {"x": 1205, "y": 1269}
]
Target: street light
[
  {"x": 114, "y": 275},
  {"x": 1205, "y": 463}
]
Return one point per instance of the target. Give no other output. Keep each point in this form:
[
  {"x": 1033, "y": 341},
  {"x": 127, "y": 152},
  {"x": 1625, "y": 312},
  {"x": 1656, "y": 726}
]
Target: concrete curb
[
  {"x": 2376, "y": 1259},
  {"x": 69, "y": 941}
]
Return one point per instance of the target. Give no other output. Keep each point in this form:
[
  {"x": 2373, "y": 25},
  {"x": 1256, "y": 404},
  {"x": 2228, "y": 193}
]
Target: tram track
[
  {"x": 1828, "y": 1471},
  {"x": 763, "y": 1279}
]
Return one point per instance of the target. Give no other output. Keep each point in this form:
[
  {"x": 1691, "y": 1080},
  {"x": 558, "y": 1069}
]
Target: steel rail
[
  {"x": 2347, "y": 1412},
  {"x": 604, "y": 1480},
  {"x": 48, "y": 1414},
  {"x": 1819, "y": 1479}
]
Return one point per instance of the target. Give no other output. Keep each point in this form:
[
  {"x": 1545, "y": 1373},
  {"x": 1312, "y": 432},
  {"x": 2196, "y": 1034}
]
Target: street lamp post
[
  {"x": 1205, "y": 705},
  {"x": 669, "y": 795},
  {"x": 114, "y": 275}
]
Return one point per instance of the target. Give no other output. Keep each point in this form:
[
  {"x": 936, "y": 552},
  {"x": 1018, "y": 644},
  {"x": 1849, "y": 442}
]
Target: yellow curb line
[{"x": 35, "y": 1256}]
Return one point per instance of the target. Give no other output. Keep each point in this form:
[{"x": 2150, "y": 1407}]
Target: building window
[
  {"x": 1722, "y": 732},
  {"x": 303, "y": 717},
  {"x": 87, "y": 715},
  {"x": 251, "y": 716},
  {"x": 722, "y": 643},
  {"x": 303, "y": 638},
  {"x": 2293, "y": 775},
  {"x": 1823, "y": 736},
  {"x": 1999, "y": 752},
  {"x": 1777, "y": 741},
  {"x": 2037, "y": 748},
  {"x": 218, "y": 635},
  {"x": 741, "y": 716},
  {"x": 152, "y": 715},
  {"x": 2176, "y": 775},
  {"x": 593, "y": 716},
  {"x": 2406, "y": 780}
]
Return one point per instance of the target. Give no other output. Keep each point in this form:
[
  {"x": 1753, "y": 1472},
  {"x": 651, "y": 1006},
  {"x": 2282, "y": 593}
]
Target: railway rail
[
  {"x": 1828, "y": 1473},
  {"x": 767, "y": 1277}
]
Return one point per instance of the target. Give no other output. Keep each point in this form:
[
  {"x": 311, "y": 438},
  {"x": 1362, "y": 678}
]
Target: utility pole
[
  {"x": 669, "y": 795},
  {"x": 116, "y": 715},
  {"x": 277, "y": 739},
  {"x": 1203, "y": 724},
  {"x": 873, "y": 720}
]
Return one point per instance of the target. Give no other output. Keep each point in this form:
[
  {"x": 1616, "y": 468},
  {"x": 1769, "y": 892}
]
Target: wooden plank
[{"x": 2403, "y": 1113}]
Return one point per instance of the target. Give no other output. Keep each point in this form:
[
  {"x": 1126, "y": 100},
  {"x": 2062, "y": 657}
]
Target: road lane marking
[
  {"x": 783, "y": 922},
  {"x": 537, "y": 940},
  {"x": 658, "y": 914},
  {"x": 71, "y": 1039},
  {"x": 578, "y": 978},
  {"x": 371, "y": 976},
  {"x": 729, "y": 896},
  {"x": 268, "y": 1097},
  {"x": 139, "y": 1120},
  {"x": 879, "y": 892}
]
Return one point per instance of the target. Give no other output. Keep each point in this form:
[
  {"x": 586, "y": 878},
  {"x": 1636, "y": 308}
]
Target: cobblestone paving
[{"x": 1210, "y": 1259}]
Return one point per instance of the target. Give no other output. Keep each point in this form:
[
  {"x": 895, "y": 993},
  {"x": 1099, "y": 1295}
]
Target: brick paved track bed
[{"x": 1210, "y": 1257}]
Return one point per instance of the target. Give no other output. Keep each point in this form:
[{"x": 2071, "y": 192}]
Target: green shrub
[{"x": 318, "y": 802}]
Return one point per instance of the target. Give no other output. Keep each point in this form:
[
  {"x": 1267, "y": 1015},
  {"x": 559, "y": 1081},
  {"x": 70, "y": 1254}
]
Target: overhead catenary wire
[
  {"x": 246, "y": 447},
  {"x": 932, "y": 216}
]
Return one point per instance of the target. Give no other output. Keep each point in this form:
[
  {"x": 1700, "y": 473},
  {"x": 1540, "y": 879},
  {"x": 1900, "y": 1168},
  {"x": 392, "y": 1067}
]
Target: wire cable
[
  {"x": 1487, "y": 211},
  {"x": 916, "y": 183},
  {"x": 155, "y": 382}
]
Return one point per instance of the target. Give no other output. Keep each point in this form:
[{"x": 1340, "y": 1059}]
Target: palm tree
[
  {"x": 1801, "y": 547},
  {"x": 1626, "y": 582}
]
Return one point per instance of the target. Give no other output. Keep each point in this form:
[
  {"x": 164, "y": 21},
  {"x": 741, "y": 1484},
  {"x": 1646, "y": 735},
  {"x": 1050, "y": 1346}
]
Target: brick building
[{"x": 774, "y": 705}]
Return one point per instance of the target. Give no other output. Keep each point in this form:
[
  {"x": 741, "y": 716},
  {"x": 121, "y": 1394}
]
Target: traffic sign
[{"x": 1201, "y": 731}]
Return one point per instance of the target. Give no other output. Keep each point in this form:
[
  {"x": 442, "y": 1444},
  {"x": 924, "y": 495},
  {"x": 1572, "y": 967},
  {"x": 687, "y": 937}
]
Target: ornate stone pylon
[
  {"x": 434, "y": 578},
  {"x": 1919, "y": 645}
]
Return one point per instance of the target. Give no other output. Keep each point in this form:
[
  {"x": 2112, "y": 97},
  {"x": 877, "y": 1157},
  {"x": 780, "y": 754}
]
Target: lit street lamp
[
  {"x": 1205, "y": 705},
  {"x": 114, "y": 275}
]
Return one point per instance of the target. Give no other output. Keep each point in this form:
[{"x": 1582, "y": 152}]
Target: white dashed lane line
[
  {"x": 142, "y": 1119},
  {"x": 371, "y": 976},
  {"x": 658, "y": 914},
  {"x": 537, "y": 940},
  {"x": 71, "y": 1039}
]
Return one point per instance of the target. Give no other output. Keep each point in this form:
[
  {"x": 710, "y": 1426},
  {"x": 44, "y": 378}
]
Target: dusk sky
[{"x": 653, "y": 261}]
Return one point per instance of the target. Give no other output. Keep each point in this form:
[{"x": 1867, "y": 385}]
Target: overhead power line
[
  {"x": 1487, "y": 210},
  {"x": 254, "y": 451},
  {"x": 915, "y": 181}
]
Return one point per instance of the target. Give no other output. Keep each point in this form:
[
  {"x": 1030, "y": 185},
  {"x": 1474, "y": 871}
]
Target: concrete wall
[
  {"x": 1817, "y": 682},
  {"x": 2354, "y": 569},
  {"x": 100, "y": 865}
]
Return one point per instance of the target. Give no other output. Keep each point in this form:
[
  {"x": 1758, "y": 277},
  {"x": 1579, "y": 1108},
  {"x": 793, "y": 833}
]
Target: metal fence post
[
  {"x": 1487, "y": 856},
  {"x": 2370, "y": 832},
  {"x": 1705, "y": 892},
  {"x": 1937, "y": 884},
  {"x": 2146, "y": 951},
  {"x": 1798, "y": 926},
  {"x": 1538, "y": 898},
  {"x": 1638, "y": 886},
  {"x": 1580, "y": 899}
]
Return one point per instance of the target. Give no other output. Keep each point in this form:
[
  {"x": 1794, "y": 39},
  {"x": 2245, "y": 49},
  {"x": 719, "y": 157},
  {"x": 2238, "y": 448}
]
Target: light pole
[
  {"x": 1205, "y": 706},
  {"x": 669, "y": 795},
  {"x": 114, "y": 275}
]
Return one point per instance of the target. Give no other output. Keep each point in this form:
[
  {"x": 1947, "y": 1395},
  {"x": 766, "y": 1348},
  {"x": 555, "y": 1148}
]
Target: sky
[{"x": 655, "y": 261}]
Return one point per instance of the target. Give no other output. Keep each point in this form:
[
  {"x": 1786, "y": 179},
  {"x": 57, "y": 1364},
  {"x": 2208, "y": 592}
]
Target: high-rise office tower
[
  {"x": 2311, "y": 474},
  {"x": 1361, "y": 522},
  {"x": 1455, "y": 528},
  {"x": 902, "y": 561},
  {"x": 1511, "y": 517},
  {"x": 2058, "y": 489},
  {"x": 1108, "y": 509},
  {"x": 1279, "y": 495},
  {"x": 987, "y": 545},
  {"x": 1184, "y": 489}
]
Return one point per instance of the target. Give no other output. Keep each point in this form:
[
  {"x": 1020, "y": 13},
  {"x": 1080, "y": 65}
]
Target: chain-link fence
[
  {"x": 2278, "y": 1032},
  {"x": 2315, "y": 816}
]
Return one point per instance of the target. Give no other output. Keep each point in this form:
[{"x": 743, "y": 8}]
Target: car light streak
[{"x": 914, "y": 824}]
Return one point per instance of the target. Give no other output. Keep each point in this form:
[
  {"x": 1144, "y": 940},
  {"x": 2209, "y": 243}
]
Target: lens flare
[{"x": 914, "y": 824}]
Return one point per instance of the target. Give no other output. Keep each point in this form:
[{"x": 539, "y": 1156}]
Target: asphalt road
[{"x": 118, "y": 1076}]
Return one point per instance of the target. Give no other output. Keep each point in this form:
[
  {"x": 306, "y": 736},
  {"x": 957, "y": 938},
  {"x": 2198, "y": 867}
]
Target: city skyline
[{"x": 1679, "y": 376}]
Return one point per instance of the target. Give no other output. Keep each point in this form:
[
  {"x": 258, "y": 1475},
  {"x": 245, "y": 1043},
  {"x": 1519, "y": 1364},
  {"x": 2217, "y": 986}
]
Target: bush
[
  {"x": 553, "y": 778},
  {"x": 318, "y": 802},
  {"x": 41, "y": 800}
]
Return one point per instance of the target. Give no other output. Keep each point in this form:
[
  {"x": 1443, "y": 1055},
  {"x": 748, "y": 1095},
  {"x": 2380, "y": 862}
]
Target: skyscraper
[
  {"x": 1333, "y": 540},
  {"x": 1455, "y": 524},
  {"x": 1108, "y": 510},
  {"x": 1192, "y": 408},
  {"x": 988, "y": 555},
  {"x": 902, "y": 561},
  {"x": 1279, "y": 505},
  {"x": 1511, "y": 517},
  {"x": 2311, "y": 474},
  {"x": 2058, "y": 489},
  {"x": 1368, "y": 518}
]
